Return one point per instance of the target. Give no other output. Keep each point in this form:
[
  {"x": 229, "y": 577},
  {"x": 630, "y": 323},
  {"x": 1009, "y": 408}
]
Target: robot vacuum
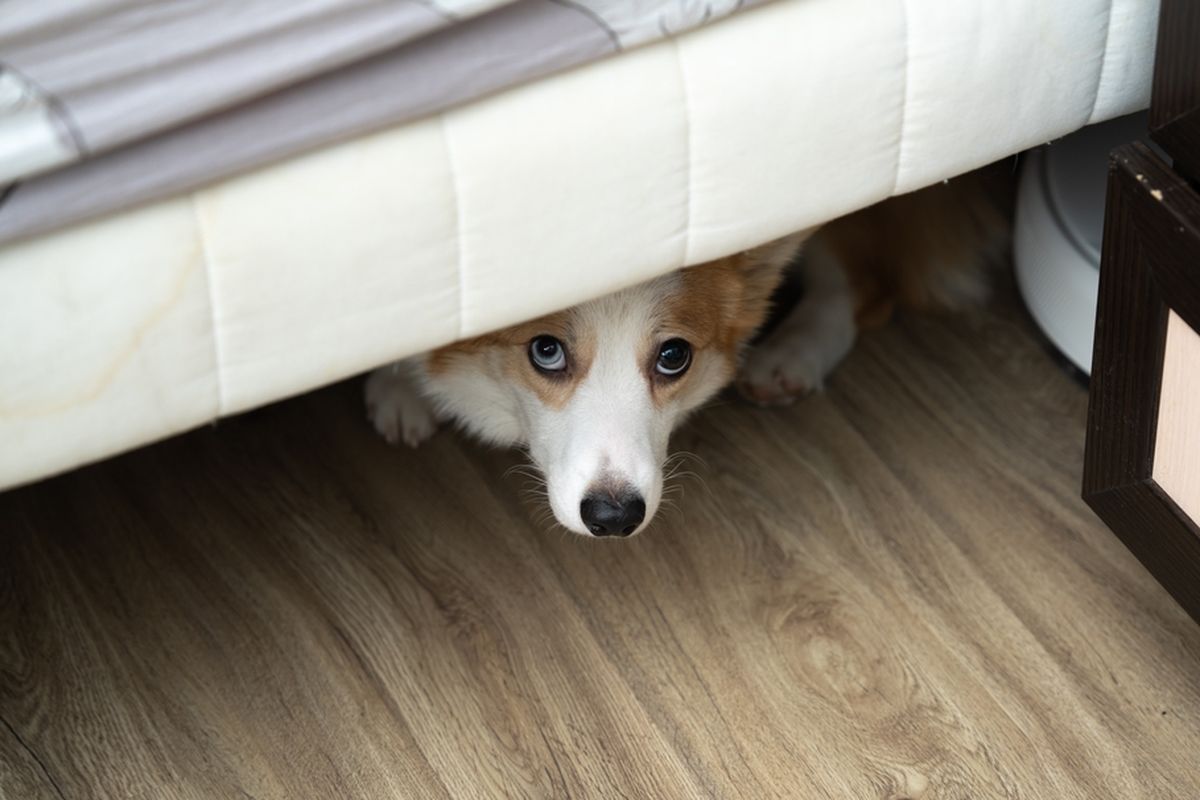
[{"x": 1059, "y": 228}]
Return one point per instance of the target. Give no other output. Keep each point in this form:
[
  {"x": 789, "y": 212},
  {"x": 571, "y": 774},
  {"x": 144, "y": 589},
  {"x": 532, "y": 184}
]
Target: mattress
[{"x": 132, "y": 326}]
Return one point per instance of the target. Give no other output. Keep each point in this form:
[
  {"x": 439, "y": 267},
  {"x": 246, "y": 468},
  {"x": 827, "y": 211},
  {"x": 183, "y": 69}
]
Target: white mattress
[{"x": 137, "y": 326}]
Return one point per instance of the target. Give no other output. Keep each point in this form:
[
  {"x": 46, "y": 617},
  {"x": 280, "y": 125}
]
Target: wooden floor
[{"x": 888, "y": 591}]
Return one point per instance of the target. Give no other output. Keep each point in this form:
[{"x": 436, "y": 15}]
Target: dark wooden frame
[
  {"x": 1150, "y": 266},
  {"x": 1175, "y": 98}
]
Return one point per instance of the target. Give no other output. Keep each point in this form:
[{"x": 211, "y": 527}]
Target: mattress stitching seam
[
  {"x": 214, "y": 313},
  {"x": 687, "y": 145},
  {"x": 1103, "y": 63},
  {"x": 456, "y": 195},
  {"x": 904, "y": 95}
]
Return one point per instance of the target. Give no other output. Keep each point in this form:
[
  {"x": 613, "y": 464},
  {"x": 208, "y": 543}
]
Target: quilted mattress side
[{"x": 143, "y": 324}]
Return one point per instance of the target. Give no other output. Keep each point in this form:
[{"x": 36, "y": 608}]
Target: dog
[{"x": 594, "y": 392}]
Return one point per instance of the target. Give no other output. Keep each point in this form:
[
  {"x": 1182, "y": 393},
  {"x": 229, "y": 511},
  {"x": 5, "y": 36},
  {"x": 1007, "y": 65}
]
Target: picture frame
[{"x": 1149, "y": 293}]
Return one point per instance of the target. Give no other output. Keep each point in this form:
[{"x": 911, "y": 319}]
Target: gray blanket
[{"x": 105, "y": 104}]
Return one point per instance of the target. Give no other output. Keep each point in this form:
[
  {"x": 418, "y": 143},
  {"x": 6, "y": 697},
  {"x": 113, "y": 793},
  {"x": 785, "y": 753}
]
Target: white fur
[
  {"x": 813, "y": 339},
  {"x": 396, "y": 407},
  {"x": 610, "y": 431}
]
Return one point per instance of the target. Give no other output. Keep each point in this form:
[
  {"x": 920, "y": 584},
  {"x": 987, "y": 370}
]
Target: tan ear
[
  {"x": 780, "y": 252},
  {"x": 761, "y": 271}
]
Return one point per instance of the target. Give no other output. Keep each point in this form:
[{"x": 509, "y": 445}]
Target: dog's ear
[
  {"x": 776, "y": 255},
  {"x": 761, "y": 271},
  {"x": 730, "y": 297}
]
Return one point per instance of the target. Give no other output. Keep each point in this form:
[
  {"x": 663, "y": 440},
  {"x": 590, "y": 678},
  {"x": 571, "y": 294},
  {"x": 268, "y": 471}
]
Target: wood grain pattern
[
  {"x": 887, "y": 591},
  {"x": 1149, "y": 269}
]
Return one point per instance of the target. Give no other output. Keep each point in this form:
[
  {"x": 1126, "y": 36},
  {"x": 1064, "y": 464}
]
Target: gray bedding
[{"x": 105, "y": 104}]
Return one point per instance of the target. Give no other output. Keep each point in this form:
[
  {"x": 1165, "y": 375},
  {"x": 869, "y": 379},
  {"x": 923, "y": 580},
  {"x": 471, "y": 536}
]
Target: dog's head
[{"x": 595, "y": 391}]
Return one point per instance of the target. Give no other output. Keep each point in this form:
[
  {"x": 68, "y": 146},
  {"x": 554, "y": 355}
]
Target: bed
[{"x": 166, "y": 262}]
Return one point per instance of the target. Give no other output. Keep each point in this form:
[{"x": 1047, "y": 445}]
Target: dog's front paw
[
  {"x": 798, "y": 355},
  {"x": 777, "y": 372},
  {"x": 397, "y": 409}
]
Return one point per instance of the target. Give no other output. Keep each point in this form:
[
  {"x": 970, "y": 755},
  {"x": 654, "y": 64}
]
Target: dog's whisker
[
  {"x": 685, "y": 454},
  {"x": 671, "y": 510},
  {"x": 674, "y": 465},
  {"x": 674, "y": 461},
  {"x": 678, "y": 470},
  {"x": 524, "y": 466},
  {"x": 525, "y": 471},
  {"x": 682, "y": 479}
]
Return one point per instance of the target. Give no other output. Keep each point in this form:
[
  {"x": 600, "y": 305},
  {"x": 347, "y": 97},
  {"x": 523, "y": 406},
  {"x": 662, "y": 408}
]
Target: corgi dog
[{"x": 594, "y": 392}]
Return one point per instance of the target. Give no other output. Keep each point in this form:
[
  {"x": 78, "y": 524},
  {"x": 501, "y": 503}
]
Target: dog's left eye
[
  {"x": 674, "y": 357},
  {"x": 548, "y": 354}
]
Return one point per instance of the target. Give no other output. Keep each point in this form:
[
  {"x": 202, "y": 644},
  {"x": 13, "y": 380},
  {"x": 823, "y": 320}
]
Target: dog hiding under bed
[{"x": 594, "y": 392}]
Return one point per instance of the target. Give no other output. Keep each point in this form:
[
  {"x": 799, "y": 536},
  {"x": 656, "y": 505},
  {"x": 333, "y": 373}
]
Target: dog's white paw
[
  {"x": 782, "y": 369},
  {"x": 797, "y": 357},
  {"x": 397, "y": 409}
]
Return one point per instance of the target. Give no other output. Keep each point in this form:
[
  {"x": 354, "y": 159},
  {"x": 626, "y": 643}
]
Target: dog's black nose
[{"x": 605, "y": 515}]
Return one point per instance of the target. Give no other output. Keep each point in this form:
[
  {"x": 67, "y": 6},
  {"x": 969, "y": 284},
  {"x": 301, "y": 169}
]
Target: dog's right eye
[{"x": 548, "y": 354}]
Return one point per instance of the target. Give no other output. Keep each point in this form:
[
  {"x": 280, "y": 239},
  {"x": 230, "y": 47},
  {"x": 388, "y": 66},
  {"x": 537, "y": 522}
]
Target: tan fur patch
[
  {"x": 722, "y": 303},
  {"x": 924, "y": 249},
  {"x": 718, "y": 308},
  {"x": 506, "y": 352}
]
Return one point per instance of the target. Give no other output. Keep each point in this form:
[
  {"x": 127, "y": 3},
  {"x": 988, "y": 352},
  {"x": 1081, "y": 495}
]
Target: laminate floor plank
[{"x": 890, "y": 590}]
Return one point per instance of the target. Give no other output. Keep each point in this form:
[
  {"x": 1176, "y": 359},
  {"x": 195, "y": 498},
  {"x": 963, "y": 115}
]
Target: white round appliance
[{"x": 1058, "y": 231}]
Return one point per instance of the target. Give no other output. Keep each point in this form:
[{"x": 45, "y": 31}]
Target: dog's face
[{"x": 594, "y": 392}]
